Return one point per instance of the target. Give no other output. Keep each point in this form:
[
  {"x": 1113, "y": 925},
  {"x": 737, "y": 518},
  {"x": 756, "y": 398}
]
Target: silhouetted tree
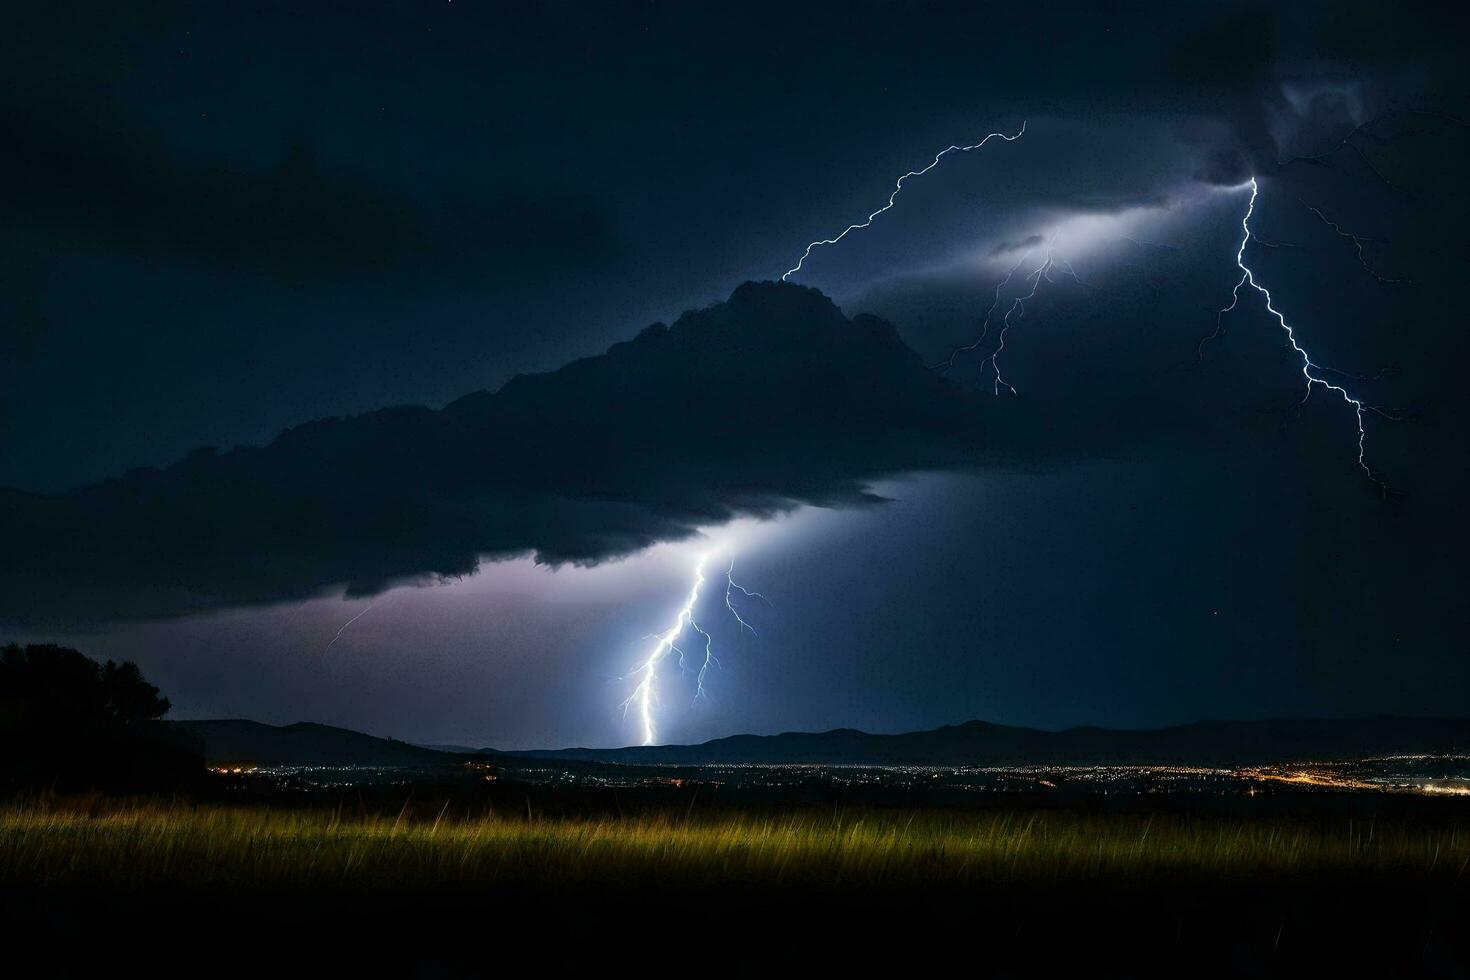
[{"x": 68, "y": 721}]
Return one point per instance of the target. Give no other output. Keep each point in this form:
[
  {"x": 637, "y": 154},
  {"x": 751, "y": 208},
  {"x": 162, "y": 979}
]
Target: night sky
[{"x": 356, "y": 224}]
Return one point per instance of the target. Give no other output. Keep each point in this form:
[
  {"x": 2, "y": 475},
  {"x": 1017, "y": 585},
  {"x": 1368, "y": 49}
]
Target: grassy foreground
[
  {"x": 181, "y": 846},
  {"x": 736, "y": 891}
]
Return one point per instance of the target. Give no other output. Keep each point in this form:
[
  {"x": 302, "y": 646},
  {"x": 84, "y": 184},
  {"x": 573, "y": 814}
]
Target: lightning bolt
[
  {"x": 1141, "y": 243},
  {"x": 644, "y": 699},
  {"x": 1050, "y": 266},
  {"x": 1348, "y": 142},
  {"x": 948, "y": 362},
  {"x": 1358, "y": 242},
  {"x": 1312, "y": 372},
  {"x": 1019, "y": 303},
  {"x": 893, "y": 198},
  {"x": 730, "y": 588},
  {"x": 343, "y": 629}
]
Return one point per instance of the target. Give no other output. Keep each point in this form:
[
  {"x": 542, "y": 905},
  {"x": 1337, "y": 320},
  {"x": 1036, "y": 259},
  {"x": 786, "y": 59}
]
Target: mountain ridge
[
  {"x": 982, "y": 743},
  {"x": 973, "y": 743},
  {"x": 302, "y": 743}
]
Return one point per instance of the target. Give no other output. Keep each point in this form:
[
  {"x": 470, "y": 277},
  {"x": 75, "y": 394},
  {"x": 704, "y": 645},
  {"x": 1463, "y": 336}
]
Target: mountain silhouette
[
  {"x": 238, "y": 741},
  {"x": 979, "y": 743}
]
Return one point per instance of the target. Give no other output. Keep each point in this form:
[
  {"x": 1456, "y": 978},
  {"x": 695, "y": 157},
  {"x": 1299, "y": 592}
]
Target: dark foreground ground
[{"x": 507, "y": 878}]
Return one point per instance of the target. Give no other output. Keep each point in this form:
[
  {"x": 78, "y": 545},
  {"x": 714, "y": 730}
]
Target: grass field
[
  {"x": 184, "y": 845},
  {"x": 1268, "y": 889}
]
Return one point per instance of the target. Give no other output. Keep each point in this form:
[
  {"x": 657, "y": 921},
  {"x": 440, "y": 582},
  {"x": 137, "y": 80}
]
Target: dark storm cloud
[
  {"x": 201, "y": 200},
  {"x": 748, "y": 407},
  {"x": 1224, "y": 166},
  {"x": 72, "y": 171},
  {"x": 1294, "y": 81}
]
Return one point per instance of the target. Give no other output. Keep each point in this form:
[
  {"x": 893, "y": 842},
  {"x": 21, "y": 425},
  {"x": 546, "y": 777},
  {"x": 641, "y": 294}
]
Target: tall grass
[{"x": 140, "y": 846}]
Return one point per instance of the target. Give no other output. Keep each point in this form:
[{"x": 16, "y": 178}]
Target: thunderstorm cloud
[{"x": 770, "y": 400}]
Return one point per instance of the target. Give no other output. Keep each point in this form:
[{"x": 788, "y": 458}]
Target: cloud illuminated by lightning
[
  {"x": 1050, "y": 266},
  {"x": 1019, "y": 303},
  {"x": 948, "y": 362},
  {"x": 893, "y": 198},
  {"x": 644, "y": 698}
]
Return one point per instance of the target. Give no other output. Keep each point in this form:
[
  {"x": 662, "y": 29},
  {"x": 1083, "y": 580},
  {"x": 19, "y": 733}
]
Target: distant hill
[
  {"x": 974, "y": 743},
  {"x": 461, "y": 749},
  {"x": 303, "y": 744},
  {"x": 978, "y": 743}
]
